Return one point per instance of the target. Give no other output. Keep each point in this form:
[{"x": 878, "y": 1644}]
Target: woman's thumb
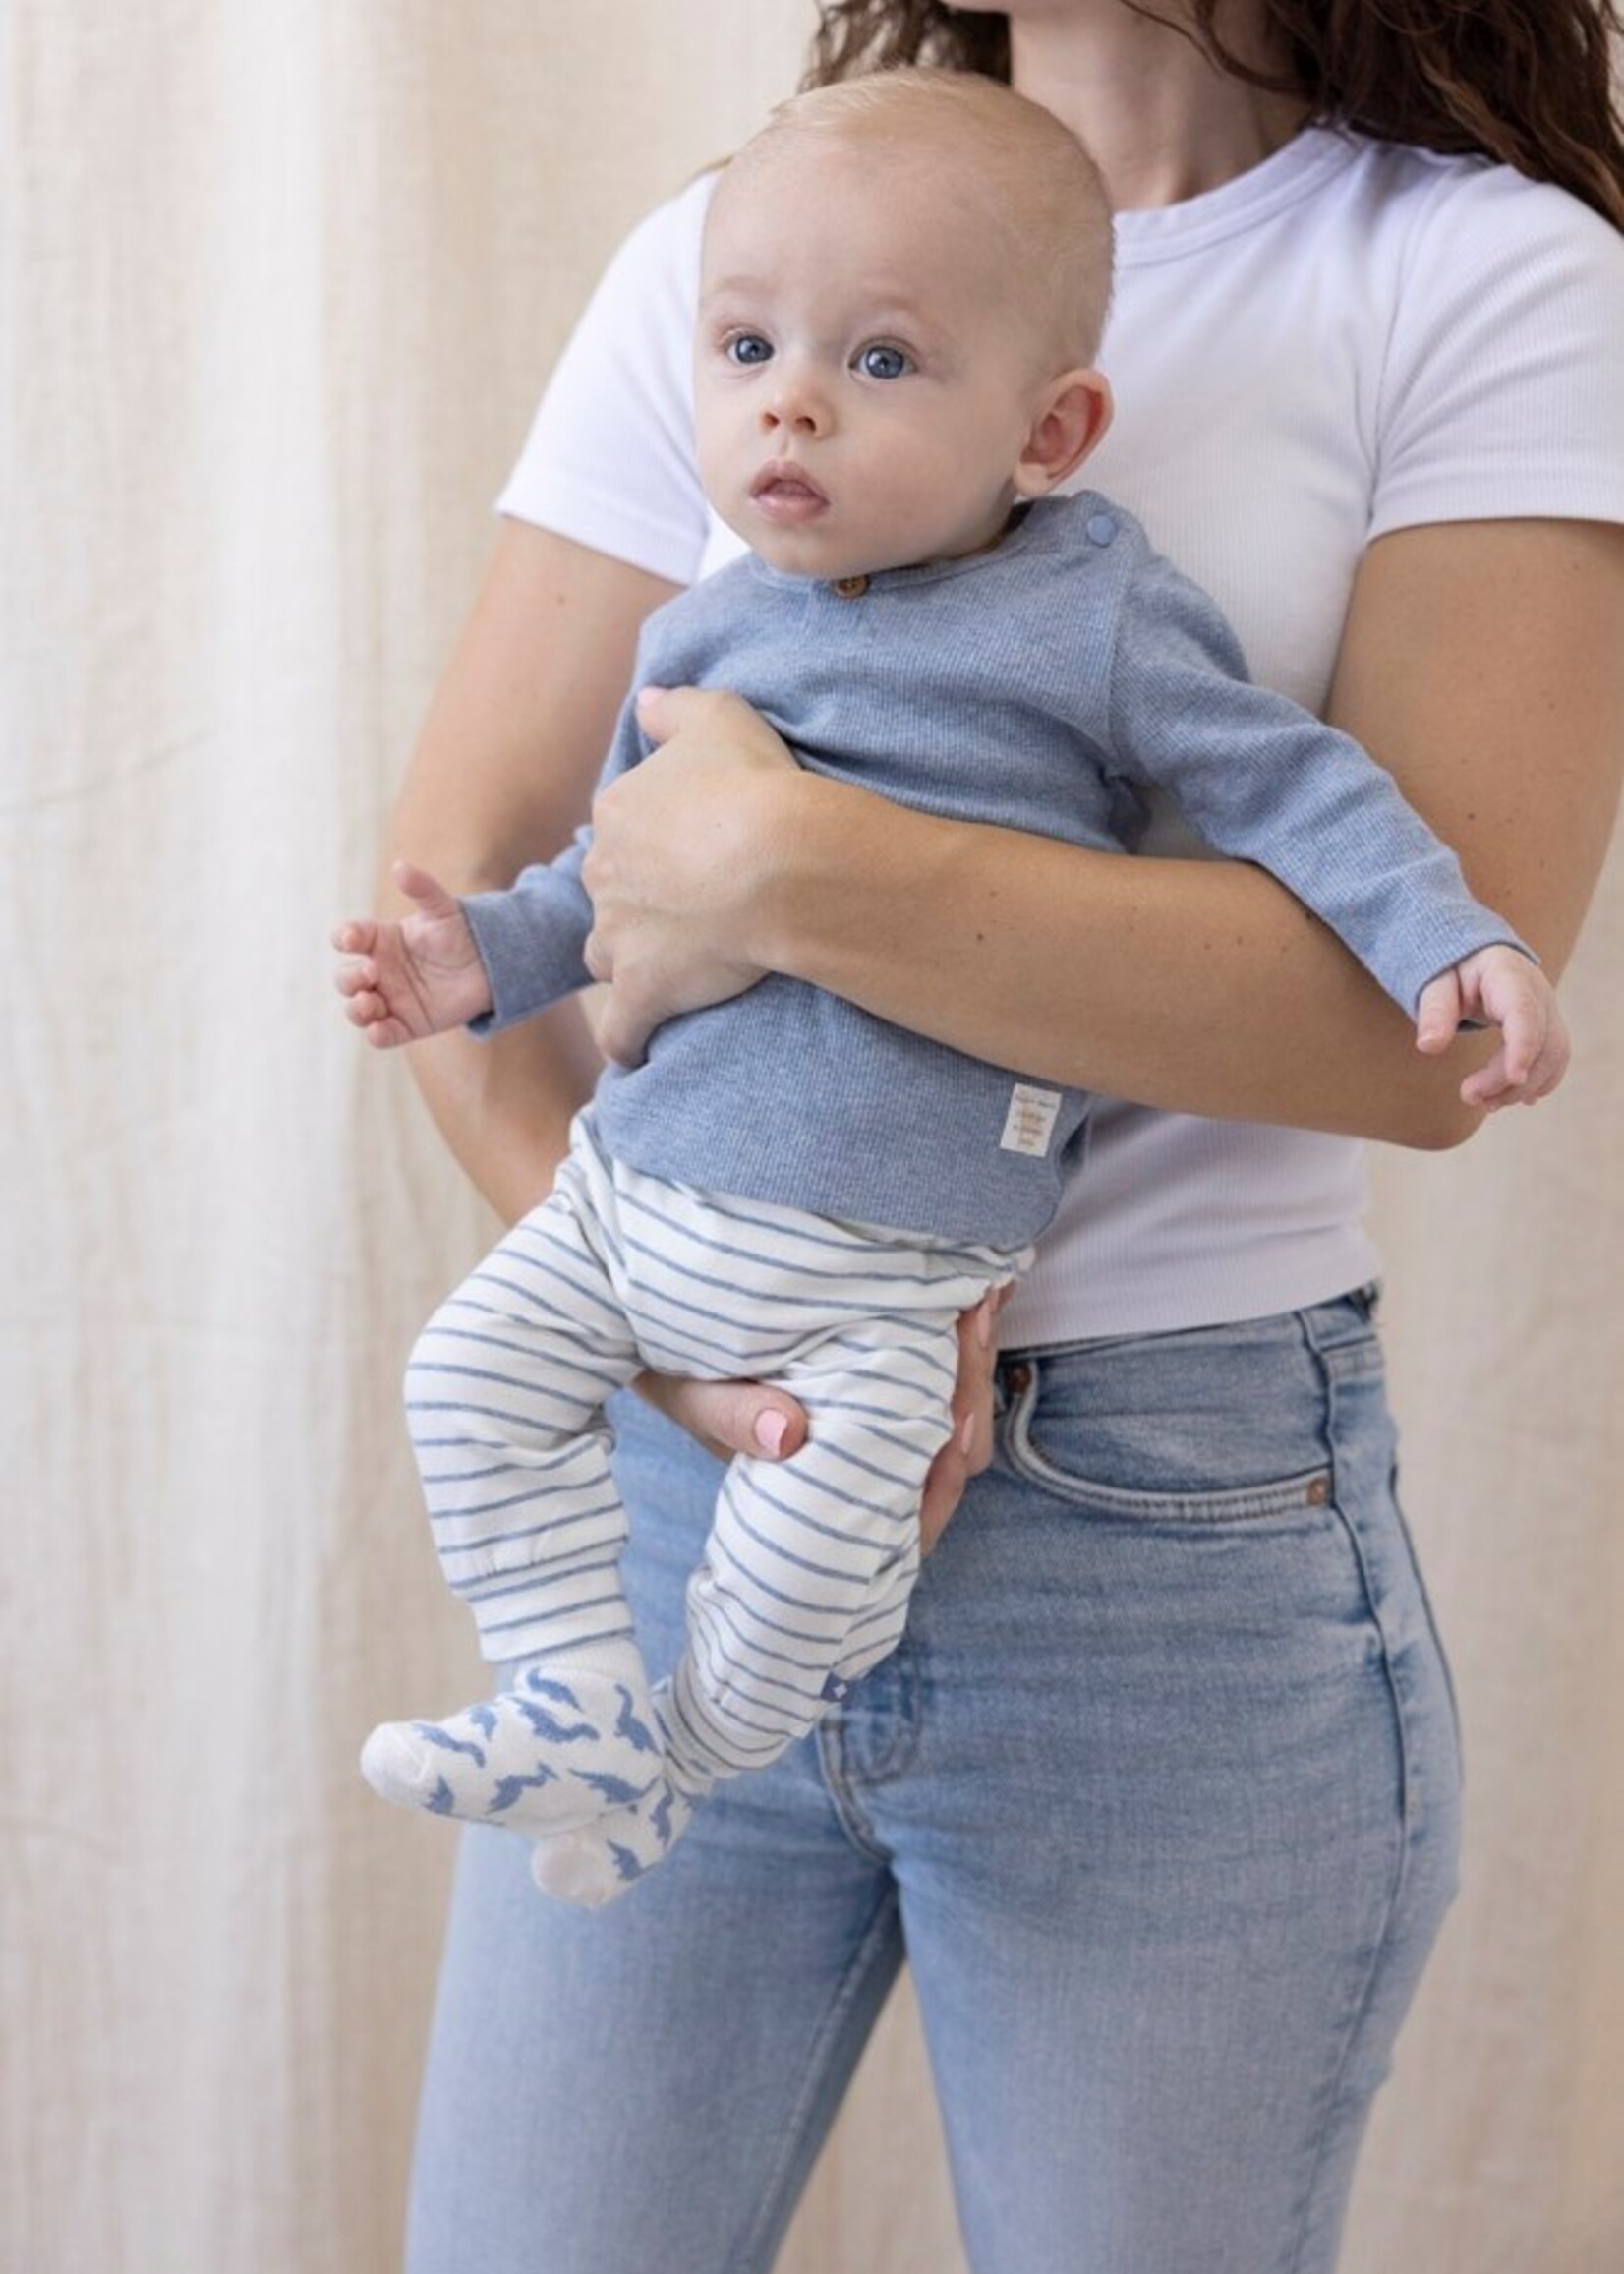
[
  {"x": 732, "y": 1416},
  {"x": 656, "y": 711}
]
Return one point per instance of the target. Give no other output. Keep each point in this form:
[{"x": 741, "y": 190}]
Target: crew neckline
[{"x": 1313, "y": 156}]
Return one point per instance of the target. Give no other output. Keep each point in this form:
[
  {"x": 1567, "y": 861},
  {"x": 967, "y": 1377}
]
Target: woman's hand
[
  {"x": 749, "y": 1416},
  {"x": 969, "y": 1449},
  {"x": 682, "y": 847}
]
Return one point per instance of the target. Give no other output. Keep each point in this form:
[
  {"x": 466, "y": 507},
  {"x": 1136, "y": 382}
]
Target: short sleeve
[
  {"x": 1505, "y": 370},
  {"x": 610, "y": 457}
]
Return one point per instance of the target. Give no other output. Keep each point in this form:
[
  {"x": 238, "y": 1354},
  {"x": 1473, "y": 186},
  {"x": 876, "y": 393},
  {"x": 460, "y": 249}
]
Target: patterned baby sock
[
  {"x": 590, "y": 1864},
  {"x": 595, "y": 1862},
  {"x": 566, "y": 1743}
]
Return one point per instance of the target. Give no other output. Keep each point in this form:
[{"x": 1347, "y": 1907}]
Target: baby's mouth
[{"x": 785, "y": 491}]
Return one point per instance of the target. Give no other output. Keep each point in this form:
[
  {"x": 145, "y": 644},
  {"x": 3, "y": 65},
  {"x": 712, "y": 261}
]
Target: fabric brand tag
[{"x": 1030, "y": 1123}]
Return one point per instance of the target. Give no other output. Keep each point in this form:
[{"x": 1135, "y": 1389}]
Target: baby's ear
[{"x": 1073, "y": 416}]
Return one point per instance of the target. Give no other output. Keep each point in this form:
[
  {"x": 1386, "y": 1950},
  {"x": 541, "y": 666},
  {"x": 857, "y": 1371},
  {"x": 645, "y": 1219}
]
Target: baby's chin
[
  {"x": 820, "y": 541},
  {"x": 819, "y": 547},
  {"x": 821, "y": 552},
  {"x": 832, "y": 564}
]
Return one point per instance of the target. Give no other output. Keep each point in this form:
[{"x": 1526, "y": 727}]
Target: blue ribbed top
[{"x": 1043, "y": 685}]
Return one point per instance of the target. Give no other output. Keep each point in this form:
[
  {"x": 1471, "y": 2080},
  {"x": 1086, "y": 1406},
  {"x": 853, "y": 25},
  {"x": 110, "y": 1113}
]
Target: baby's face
[{"x": 864, "y": 377}]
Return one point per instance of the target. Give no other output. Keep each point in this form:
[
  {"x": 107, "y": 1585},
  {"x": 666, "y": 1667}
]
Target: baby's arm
[
  {"x": 486, "y": 961},
  {"x": 423, "y": 975},
  {"x": 1264, "y": 781},
  {"x": 1499, "y": 987}
]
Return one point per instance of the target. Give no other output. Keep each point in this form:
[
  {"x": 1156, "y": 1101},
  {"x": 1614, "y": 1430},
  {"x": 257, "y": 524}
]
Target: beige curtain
[{"x": 277, "y": 287}]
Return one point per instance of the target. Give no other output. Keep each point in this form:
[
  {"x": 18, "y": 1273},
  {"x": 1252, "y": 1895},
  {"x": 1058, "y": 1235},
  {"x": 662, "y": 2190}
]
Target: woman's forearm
[
  {"x": 503, "y": 1107},
  {"x": 1482, "y": 663},
  {"x": 501, "y": 776},
  {"x": 1201, "y": 987}
]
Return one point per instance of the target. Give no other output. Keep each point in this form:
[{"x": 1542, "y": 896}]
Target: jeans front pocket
[{"x": 1222, "y": 1425}]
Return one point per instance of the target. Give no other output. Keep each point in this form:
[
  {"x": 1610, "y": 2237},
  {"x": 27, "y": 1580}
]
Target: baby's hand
[
  {"x": 404, "y": 982},
  {"x": 1505, "y": 990}
]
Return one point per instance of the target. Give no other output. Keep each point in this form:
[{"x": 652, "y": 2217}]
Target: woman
[{"x": 1167, "y": 1892}]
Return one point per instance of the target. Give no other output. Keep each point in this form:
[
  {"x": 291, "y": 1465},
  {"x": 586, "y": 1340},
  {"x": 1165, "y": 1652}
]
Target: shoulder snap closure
[{"x": 850, "y": 587}]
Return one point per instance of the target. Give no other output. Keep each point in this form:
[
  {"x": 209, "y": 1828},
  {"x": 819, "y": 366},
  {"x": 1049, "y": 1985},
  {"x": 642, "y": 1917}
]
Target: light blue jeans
[{"x": 1159, "y": 1795}]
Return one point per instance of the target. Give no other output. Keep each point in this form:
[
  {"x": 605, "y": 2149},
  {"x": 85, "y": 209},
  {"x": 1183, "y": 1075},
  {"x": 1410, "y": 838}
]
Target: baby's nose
[{"x": 799, "y": 404}]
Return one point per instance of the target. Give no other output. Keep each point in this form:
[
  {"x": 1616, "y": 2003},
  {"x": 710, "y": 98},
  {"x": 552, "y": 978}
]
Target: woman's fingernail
[
  {"x": 771, "y": 1431},
  {"x": 984, "y": 1322},
  {"x": 966, "y": 1436}
]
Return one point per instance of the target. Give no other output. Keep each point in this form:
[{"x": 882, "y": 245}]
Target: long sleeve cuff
[{"x": 530, "y": 941}]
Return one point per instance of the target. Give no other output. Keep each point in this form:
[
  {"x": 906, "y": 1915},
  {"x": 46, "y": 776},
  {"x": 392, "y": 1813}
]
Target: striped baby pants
[{"x": 810, "y": 1561}]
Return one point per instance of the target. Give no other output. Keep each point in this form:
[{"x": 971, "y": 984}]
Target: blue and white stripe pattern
[{"x": 811, "y": 1560}]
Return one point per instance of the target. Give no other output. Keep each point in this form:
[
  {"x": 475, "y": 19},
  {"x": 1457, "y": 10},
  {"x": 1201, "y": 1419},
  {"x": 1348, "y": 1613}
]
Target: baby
[{"x": 904, "y": 285}]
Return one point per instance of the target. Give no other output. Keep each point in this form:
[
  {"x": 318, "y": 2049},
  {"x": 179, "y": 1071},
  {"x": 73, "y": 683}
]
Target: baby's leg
[
  {"x": 504, "y": 1395},
  {"x": 812, "y": 1561},
  {"x": 805, "y": 1586}
]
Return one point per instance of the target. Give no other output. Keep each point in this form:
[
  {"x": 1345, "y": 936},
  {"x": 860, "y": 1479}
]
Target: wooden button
[
  {"x": 851, "y": 587},
  {"x": 1018, "y": 1379}
]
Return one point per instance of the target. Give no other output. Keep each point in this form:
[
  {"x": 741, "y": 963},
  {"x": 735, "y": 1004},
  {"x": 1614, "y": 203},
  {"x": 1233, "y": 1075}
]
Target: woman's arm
[
  {"x": 502, "y": 774},
  {"x": 1482, "y": 663}
]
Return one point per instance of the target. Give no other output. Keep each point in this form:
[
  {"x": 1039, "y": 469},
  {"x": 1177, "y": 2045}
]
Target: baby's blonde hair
[{"x": 1029, "y": 176}]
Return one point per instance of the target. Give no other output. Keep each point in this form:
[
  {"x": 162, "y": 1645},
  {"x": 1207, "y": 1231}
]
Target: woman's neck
[{"x": 1162, "y": 121}]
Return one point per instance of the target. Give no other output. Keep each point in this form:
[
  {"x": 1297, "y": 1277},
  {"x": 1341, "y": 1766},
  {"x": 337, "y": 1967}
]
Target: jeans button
[{"x": 1018, "y": 1378}]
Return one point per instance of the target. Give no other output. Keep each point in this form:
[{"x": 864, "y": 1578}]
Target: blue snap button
[{"x": 1100, "y": 528}]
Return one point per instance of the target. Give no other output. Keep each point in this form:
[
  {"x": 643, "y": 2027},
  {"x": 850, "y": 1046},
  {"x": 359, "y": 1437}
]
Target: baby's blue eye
[
  {"x": 748, "y": 347},
  {"x": 883, "y": 363}
]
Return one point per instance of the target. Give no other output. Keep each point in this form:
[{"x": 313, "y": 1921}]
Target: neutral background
[{"x": 277, "y": 289}]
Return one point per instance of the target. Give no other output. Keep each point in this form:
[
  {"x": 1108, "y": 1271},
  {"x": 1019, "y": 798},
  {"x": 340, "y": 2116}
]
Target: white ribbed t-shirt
[{"x": 1354, "y": 337}]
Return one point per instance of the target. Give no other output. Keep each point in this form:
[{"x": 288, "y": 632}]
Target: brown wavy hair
[{"x": 1529, "y": 84}]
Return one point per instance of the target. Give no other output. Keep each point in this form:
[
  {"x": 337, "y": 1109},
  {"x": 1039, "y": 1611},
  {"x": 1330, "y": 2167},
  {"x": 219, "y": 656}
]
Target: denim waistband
[{"x": 1323, "y": 1325}]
